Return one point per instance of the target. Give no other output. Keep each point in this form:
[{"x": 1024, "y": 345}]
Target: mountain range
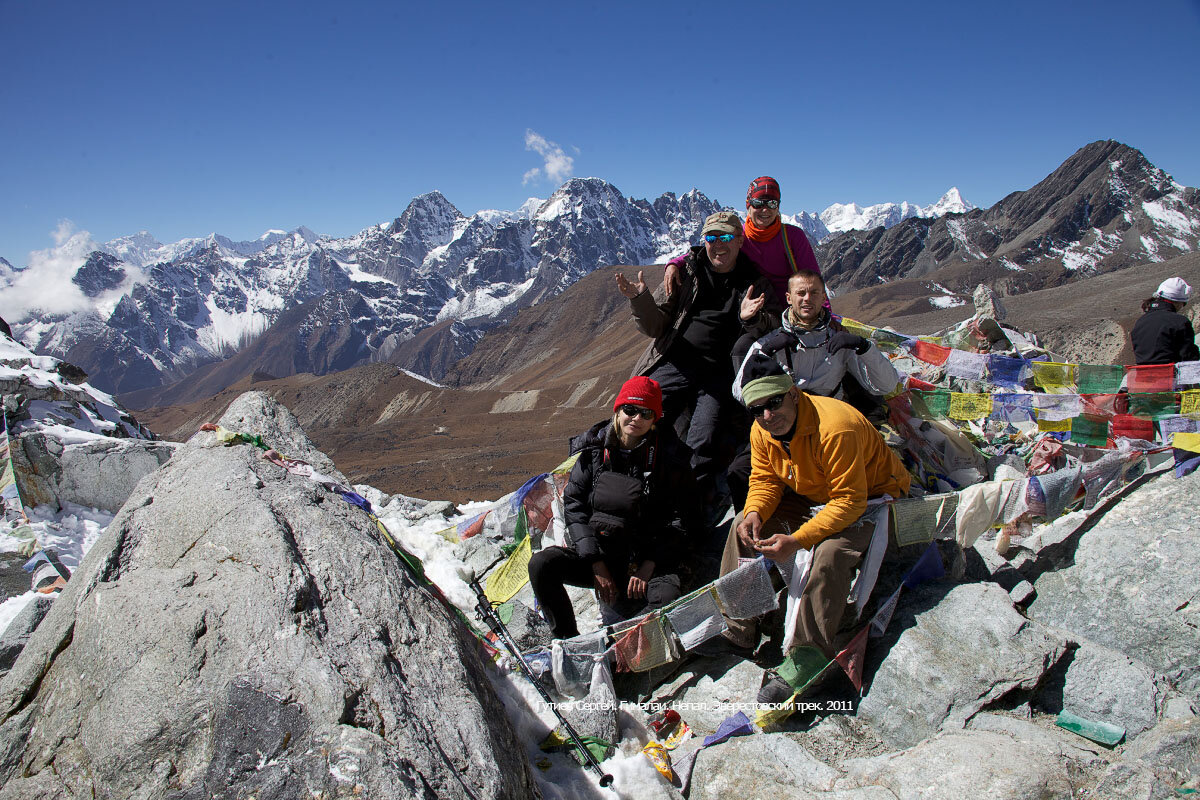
[{"x": 171, "y": 323}]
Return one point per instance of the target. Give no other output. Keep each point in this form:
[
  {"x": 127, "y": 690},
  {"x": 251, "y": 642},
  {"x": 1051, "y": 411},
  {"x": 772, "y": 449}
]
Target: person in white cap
[{"x": 1163, "y": 335}]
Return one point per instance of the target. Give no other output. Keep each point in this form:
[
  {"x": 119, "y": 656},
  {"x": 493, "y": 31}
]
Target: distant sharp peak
[
  {"x": 808, "y": 222},
  {"x": 430, "y": 216},
  {"x": 575, "y": 195},
  {"x": 952, "y": 202}
]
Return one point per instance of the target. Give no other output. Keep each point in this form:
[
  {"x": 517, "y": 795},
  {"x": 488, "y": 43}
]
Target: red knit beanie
[
  {"x": 642, "y": 392},
  {"x": 765, "y": 187}
]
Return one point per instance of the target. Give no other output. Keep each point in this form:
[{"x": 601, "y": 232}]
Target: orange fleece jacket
[{"x": 837, "y": 458}]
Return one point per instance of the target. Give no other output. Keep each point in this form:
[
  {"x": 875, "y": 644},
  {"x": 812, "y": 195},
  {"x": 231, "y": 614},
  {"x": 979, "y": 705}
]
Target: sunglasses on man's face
[
  {"x": 758, "y": 202},
  {"x": 771, "y": 405},
  {"x": 636, "y": 411},
  {"x": 719, "y": 237}
]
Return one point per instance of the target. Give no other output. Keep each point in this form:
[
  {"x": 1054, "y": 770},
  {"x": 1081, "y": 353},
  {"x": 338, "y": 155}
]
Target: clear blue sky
[{"x": 186, "y": 118}]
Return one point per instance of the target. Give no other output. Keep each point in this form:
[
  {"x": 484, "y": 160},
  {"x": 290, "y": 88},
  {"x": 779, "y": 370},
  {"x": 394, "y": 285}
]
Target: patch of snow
[
  {"x": 1177, "y": 225},
  {"x": 955, "y": 228},
  {"x": 946, "y": 301},
  {"x": 1010, "y": 264},
  {"x": 422, "y": 378},
  {"x": 1084, "y": 255},
  {"x": 15, "y": 604},
  {"x": 484, "y": 301}
]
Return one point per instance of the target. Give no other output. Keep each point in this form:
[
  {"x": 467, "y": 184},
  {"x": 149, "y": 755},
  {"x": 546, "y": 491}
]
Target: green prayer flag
[
  {"x": 1099, "y": 378},
  {"x": 802, "y": 666},
  {"x": 931, "y": 405},
  {"x": 1153, "y": 405},
  {"x": 1087, "y": 430}
]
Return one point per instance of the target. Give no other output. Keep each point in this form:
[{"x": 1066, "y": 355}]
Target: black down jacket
[
  {"x": 643, "y": 502},
  {"x": 1163, "y": 336}
]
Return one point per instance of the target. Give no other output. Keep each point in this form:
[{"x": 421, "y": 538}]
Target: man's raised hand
[
  {"x": 752, "y": 303},
  {"x": 631, "y": 290}
]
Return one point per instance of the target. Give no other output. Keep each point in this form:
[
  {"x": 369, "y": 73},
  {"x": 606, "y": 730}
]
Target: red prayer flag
[
  {"x": 472, "y": 527},
  {"x": 917, "y": 383},
  {"x": 1132, "y": 427},
  {"x": 930, "y": 353},
  {"x": 538, "y": 511},
  {"x": 851, "y": 659},
  {"x": 1150, "y": 378},
  {"x": 1104, "y": 405}
]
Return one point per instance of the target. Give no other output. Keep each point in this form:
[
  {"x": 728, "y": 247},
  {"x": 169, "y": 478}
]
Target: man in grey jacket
[{"x": 818, "y": 352}]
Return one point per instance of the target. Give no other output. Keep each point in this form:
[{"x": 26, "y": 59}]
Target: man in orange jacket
[{"x": 808, "y": 450}]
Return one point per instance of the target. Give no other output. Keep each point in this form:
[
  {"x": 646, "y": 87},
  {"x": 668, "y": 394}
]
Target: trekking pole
[{"x": 489, "y": 616}]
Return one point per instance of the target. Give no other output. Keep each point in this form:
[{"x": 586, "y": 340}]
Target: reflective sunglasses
[
  {"x": 758, "y": 202},
  {"x": 771, "y": 405},
  {"x": 632, "y": 411},
  {"x": 719, "y": 237}
]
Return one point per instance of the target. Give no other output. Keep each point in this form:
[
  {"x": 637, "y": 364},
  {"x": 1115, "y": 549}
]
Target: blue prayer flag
[
  {"x": 928, "y": 567},
  {"x": 1005, "y": 371}
]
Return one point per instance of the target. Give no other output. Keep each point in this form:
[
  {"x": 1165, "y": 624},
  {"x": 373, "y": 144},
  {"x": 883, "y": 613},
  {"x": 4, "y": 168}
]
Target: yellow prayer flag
[
  {"x": 449, "y": 534},
  {"x": 1187, "y": 441},
  {"x": 565, "y": 466},
  {"x": 970, "y": 406},
  {"x": 1054, "y": 425},
  {"x": 1052, "y": 374},
  {"x": 225, "y": 435},
  {"x": 857, "y": 328},
  {"x": 1189, "y": 402},
  {"x": 765, "y": 718},
  {"x": 508, "y": 579}
]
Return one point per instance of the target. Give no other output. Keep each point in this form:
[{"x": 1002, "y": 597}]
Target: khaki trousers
[{"x": 823, "y": 601}]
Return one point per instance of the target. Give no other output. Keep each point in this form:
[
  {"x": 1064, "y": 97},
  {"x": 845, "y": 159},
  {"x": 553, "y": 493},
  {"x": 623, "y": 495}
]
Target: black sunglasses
[
  {"x": 771, "y": 405},
  {"x": 632, "y": 411},
  {"x": 758, "y": 202}
]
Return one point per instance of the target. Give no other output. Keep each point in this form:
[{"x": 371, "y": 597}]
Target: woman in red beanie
[{"x": 630, "y": 506}]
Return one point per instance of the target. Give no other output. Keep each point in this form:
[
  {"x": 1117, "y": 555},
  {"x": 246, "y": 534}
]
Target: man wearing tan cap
[{"x": 722, "y": 296}]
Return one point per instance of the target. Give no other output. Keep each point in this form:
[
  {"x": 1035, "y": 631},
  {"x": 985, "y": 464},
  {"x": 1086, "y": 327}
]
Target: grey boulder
[
  {"x": 946, "y": 658},
  {"x": 240, "y": 631},
  {"x": 1131, "y": 586},
  {"x": 100, "y": 473}
]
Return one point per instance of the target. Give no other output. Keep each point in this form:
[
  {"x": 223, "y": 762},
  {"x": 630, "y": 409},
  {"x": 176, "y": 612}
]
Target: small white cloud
[
  {"x": 45, "y": 284},
  {"x": 558, "y": 165}
]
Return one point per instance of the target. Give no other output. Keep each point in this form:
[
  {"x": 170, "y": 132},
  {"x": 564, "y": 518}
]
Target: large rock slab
[
  {"x": 964, "y": 764},
  {"x": 239, "y": 631},
  {"x": 1160, "y": 761},
  {"x": 1133, "y": 583},
  {"x": 1103, "y": 685},
  {"x": 759, "y": 767},
  {"x": 99, "y": 473},
  {"x": 948, "y": 657}
]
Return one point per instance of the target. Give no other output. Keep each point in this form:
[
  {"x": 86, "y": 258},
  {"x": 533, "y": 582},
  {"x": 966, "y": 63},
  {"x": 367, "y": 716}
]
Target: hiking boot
[{"x": 774, "y": 690}]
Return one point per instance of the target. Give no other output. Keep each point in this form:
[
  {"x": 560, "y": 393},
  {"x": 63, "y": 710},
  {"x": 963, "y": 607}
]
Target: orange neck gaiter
[{"x": 763, "y": 234}]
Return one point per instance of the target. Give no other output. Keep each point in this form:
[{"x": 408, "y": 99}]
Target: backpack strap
[{"x": 787, "y": 247}]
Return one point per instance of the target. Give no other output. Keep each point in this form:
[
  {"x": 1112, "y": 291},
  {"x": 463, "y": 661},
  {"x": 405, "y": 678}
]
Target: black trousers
[{"x": 552, "y": 569}]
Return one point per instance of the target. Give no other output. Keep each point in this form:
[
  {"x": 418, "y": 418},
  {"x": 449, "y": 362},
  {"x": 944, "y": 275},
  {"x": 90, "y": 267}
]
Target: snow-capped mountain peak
[
  {"x": 951, "y": 202},
  {"x": 841, "y": 217}
]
